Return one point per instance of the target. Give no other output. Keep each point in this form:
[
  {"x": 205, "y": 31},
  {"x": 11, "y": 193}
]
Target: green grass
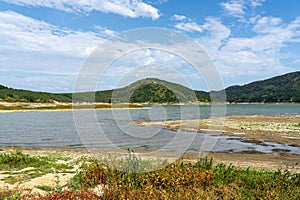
[
  {"x": 19, "y": 160},
  {"x": 45, "y": 188},
  {"x": 12, "y": 163},
  {"x": 297, "y": 126}
]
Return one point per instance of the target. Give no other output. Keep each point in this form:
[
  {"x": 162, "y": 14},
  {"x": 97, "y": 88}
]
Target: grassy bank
[{"x": 180, "y": 180}]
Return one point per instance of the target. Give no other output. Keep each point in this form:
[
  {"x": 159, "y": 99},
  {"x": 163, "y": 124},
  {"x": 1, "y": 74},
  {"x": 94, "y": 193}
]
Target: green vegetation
[
  {"x": 179, "y": 180},
  {"x": 19, "y": 160},
  {"x": 185, "y": 180},
  {"x": 16, "y": 95},
  {"x": 285, "y": 88},
  {"x": 19, "y": 167},
  {"x": 153, "y": 90},
  {"x": 147, "y": 90},
  {"x": 10, "y": 194}
]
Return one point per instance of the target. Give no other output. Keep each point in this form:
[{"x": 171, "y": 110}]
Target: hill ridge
[{"x": 283, "y": 88}]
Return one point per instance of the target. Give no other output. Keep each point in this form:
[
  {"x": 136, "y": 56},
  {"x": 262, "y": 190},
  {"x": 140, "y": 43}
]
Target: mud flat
[{"x": 257, "y": 128}]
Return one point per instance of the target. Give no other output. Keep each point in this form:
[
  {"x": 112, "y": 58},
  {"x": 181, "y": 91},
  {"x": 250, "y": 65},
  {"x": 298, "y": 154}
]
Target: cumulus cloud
[{"x": 127, "y": 8}]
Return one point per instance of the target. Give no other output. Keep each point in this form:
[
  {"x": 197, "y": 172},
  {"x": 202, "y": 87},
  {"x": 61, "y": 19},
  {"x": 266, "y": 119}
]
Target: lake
[{"x": 58, "y": 129}]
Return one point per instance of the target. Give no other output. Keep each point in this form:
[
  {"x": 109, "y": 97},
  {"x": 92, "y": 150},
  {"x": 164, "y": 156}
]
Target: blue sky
[{"x": 45, "y": 42}]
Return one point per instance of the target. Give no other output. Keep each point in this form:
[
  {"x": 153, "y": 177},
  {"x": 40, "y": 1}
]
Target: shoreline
[
  {"x": 64, "y": 110},
  {"x": 7, "y": 107},
  {"x": 254, "y": 160}
]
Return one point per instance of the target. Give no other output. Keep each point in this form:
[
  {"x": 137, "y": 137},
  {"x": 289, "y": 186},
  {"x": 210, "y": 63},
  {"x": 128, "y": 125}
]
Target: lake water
[{"x": 58, "y": 129}]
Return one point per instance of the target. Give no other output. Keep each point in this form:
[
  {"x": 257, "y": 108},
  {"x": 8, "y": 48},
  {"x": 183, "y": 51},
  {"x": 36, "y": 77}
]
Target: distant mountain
[{"x": 284, "y": 88}]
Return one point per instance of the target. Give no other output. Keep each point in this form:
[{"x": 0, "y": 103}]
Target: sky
[{"x": 44, "y": 43}]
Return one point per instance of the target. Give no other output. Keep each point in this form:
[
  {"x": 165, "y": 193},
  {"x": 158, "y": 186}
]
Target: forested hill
[
  {"x": 17, "y": 95},
  {"x": 154, "y": 90},
  {"x": 147, "y": 90},
  {"x": 284, "y": 88}
]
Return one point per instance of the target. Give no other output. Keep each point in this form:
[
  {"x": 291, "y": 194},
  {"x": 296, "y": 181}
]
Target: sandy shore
[{"x": 279, "y": 129}]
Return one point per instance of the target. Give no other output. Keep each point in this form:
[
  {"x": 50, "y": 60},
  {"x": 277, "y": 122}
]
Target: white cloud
[
  {"x": 162, "y": 1},
  {"x": 178, "y": 17},
  {"x": 267, "y": 25},
  {"x": 24, "y": 33},
  {"x": 256, "y": 3},
  {"x": 188, "y": 26},
  {"x": 241, "y": 8},
  {"x": 215, "y": 33},
  {"x": 32, "y": 46},
  {"x": 127, "y": 8},
  {"x": 234, "y": 7},
  {"x": 106, "y": 32},
  {"x": 259, "y": 55}
]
